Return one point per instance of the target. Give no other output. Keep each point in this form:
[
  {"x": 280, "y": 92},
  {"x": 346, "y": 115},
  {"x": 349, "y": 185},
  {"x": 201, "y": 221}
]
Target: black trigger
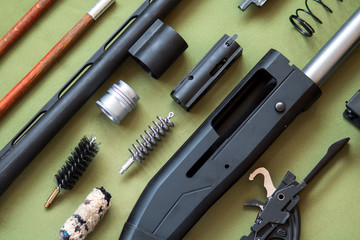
[{"x": 255, "y": 203}]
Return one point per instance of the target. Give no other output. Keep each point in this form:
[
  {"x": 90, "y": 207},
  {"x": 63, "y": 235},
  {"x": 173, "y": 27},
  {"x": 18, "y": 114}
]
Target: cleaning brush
[{"x": 74, "y": 167}]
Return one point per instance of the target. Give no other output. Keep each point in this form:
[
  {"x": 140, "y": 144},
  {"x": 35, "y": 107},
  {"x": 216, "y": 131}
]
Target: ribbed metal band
[{"x": 99, "y": 8}]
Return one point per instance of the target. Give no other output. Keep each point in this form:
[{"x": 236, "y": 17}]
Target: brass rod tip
[{"x": 52, "y": 197}]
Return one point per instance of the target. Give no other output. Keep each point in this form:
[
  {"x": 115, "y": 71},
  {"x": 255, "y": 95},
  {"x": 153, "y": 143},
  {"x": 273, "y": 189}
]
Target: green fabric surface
[{"x": 328, "y": 206}]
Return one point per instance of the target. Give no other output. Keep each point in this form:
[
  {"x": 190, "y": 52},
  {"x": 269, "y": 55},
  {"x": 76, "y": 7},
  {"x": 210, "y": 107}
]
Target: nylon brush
[{"x": 74, "y": 167}]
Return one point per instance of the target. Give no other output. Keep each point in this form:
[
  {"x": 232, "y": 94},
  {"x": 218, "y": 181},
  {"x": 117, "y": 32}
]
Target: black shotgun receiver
[
  {"x": 222, "y": 149},
  {"x": 232, "y": 138}
]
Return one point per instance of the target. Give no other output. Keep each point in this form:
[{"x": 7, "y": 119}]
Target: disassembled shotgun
[
  {"x": 279, "y": 217},
  {"x": 232, "y": 138}
]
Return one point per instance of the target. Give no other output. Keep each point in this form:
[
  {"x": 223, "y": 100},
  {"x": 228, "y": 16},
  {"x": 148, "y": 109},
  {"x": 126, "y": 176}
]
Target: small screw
[
  {"x": 281, "y": 232},
  {"x": 280, "y": 106}
]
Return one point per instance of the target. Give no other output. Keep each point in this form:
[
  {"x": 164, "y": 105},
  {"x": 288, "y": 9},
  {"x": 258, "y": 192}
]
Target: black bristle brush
[{"x": 75, "y": 166}]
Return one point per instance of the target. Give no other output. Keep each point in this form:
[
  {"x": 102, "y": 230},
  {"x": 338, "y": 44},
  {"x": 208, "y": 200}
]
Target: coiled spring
[
  {"x": 301, "y": 25},
  {"x": 143, "y": 147}
]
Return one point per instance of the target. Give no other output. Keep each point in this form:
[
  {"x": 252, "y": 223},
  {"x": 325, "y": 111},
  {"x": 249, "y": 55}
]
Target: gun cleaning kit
[{"x": 211, "y": 158}]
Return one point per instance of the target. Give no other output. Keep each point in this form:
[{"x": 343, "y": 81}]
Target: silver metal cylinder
[
  {"x": 335, "y": 50},
  {"x": 119, "y": 100},
  {"x": 99, "y": 8}
]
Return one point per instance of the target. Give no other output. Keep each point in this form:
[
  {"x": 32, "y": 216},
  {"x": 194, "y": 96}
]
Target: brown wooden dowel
[
  {"x": 23, "y": 24},
  {"x": 45, "y": 63}
]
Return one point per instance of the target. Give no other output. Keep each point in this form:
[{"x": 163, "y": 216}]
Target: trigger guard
[{"x": 290, "y": 230}]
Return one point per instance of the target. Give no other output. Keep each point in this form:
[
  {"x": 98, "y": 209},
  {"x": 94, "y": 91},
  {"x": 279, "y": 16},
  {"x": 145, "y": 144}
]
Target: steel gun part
[
  {"x": 119, "y": 100},
  {"x": 303, "y": 26},
  {"x": 231, "y": 139},
  {"x": 207, "y": 72},
  {"x": 352, "y": 111},
  {"x": 279, "y": 217},
  {"x": 245, "y": 3}
]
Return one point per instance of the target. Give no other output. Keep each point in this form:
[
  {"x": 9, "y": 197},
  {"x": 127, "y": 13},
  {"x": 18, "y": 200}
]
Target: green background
[{"x": 329, "y": 205}]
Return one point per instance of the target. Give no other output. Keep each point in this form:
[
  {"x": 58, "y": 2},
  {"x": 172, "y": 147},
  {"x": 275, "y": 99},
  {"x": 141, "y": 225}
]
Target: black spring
[{"x": 303, "y": 26}]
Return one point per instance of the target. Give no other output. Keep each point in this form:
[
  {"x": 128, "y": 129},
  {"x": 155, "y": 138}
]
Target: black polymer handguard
[{"x": 222, "y": 149}]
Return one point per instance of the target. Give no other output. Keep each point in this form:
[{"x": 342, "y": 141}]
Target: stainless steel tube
[
  {"x": 335, "y": 50},
  {"x": 99, "y": 8}
]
